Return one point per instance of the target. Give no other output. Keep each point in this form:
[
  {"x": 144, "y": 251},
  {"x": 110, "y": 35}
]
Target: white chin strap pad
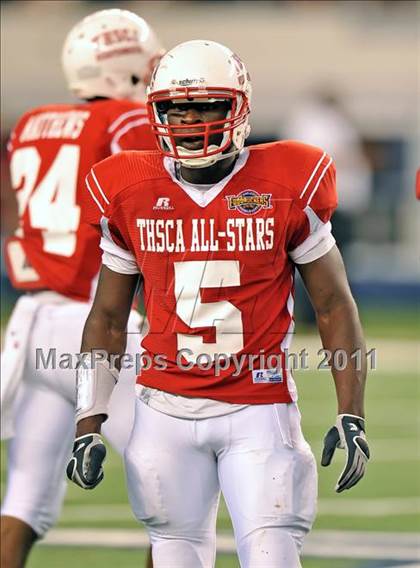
[
  {"x": 196, "y": 162},
  {"x": 204, "y": 162}
]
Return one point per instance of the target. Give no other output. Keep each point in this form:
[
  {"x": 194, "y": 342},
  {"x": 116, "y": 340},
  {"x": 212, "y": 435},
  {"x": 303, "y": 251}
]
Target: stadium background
[{"x": 365, "y": 55}]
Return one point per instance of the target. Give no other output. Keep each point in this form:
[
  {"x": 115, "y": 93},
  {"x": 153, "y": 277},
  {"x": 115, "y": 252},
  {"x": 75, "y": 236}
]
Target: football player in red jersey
[
  {"x": 216, "y": 231},
  {"x": 107, "y": 58}
]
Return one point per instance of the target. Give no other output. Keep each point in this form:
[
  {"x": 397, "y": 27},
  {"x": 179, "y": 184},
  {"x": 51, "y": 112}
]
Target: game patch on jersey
[
  {"x": 249, "y": 201},
  {"x": 267, "y": 376}
]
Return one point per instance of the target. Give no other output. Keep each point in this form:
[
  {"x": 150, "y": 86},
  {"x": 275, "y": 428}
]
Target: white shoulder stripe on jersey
[
  {"x": 93, "y": 195},
  {"x": 124, "y": 116},
  {"x": 312, "y": 175},
  {"x": 115, "y": 147},
  {"x": 319, "y": 180},
  {"x": 95, "y": 179}
]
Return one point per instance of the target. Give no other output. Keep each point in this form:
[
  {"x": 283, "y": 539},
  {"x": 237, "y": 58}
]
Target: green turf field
[
  {"x": 393, "y": 428},
  {"x": 70, "y": 557},
  {"x": 388, "y": 499}
]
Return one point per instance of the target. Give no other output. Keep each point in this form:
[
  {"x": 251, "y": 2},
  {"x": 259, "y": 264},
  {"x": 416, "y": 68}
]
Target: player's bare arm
[
  {"x": 105, "y": 331},
  {"x": 106, "y": 325},
  {"x": 340, "y": 329},
  {"x": 339, "y": 325}
]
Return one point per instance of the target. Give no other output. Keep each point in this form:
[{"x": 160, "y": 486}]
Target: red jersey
[
  {"x": 51, "y": 150},
  {"x": 218, "y": 265}
]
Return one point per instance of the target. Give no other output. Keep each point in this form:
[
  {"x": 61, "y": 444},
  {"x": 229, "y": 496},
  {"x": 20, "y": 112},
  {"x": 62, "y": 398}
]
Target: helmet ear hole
[{"x": 134, "y": 80}]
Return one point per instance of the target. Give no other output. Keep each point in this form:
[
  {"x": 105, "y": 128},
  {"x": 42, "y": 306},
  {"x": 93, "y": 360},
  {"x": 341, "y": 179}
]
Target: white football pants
[
  {"x": 257, "y": 456},
  {"x": 45, "y": 415}
]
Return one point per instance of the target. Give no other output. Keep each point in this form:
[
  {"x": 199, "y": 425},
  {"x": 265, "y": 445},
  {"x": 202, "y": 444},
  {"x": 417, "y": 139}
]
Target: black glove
[
  {"x": 347, "y": 434},
  {"x": 85, "y": 466}
]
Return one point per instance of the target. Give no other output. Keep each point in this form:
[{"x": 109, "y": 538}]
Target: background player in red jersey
[
  {"x": 216, "y": 231},
  {"x": 54, "y": 255}
]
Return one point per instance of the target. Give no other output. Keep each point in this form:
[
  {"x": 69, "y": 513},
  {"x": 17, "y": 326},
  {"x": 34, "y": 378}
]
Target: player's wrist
[
  {"x": 351, "y": 410},
  {"x": 90, "y": 425},
  {"x": 95, "y": 381},
  {"x": 358, "y": 415}
]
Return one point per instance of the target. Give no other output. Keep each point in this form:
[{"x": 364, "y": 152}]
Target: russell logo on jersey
[{"x": 163, "y": 204}]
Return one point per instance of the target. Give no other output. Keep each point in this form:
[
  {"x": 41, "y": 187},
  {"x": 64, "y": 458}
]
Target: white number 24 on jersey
[{"x": 52, "y": 203}]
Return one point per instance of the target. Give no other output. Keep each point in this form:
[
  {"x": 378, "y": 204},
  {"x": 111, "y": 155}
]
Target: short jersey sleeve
[
  {"x": 103, "y": 186},
  {"x": 309, "y": 233},
  {"x": 115, "y": 255}
]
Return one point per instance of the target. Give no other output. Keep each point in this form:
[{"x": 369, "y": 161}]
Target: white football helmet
[
  {"x": 110, "y": 53},
  {"x": 200, "y": 71}
]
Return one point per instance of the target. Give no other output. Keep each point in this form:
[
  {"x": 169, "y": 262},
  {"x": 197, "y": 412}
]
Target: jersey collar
[{"x": 203, "y": 198}]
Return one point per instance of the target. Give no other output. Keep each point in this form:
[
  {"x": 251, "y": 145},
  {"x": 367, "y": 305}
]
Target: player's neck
[{"x": 211, "y": 174}]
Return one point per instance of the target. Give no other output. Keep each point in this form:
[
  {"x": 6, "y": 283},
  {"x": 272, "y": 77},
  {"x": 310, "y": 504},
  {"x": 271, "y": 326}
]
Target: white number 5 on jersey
[
  {"x": 52, "y": 203},
  {"x": 192, "y": 275}
]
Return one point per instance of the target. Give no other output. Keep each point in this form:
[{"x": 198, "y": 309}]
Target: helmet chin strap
[
  {"x": 204, "y": 162},
  {"x": 192, "y": 162}
]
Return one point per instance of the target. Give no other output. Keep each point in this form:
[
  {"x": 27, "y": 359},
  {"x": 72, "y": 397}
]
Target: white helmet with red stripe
[
  {"x": 110, "y": 53},
  {"x": 200, "y": 71}
]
